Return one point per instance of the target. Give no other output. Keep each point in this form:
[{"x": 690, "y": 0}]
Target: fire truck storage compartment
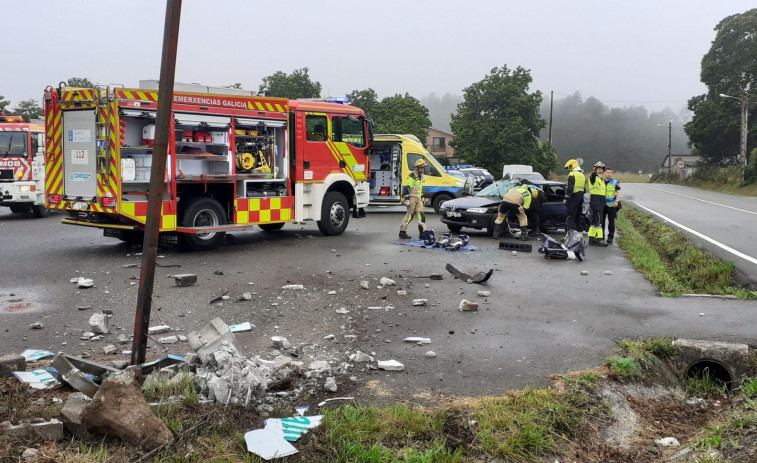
[
  {"x": 386, "y": 171},
  {"x": 197, "y": 152},
  {"x": 136, "y": 150},
  {"x": 260, "y": 146},
  {"x": 79, "y": 153}
]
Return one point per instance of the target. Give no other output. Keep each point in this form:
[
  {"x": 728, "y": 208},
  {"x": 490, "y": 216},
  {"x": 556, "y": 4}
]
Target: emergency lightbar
[{"x": 11, "y": 119}]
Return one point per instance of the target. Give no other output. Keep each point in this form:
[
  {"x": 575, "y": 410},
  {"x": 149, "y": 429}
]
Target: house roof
[{"x": 442, "y": 131}]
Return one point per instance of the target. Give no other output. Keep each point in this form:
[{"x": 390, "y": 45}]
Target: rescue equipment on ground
[{"x": 572, "y": 248}]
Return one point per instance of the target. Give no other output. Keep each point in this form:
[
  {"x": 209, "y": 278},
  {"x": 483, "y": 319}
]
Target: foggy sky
[{"x": 621, "y": 52}]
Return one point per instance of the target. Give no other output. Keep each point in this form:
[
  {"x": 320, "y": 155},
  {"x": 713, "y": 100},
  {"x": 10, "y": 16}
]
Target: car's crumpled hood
[{"x": 468, "y": 202}]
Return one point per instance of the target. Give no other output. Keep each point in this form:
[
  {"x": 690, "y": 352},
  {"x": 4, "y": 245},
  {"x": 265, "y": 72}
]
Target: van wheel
[
  {"x": 269, "y": 227},
  {"x": 40, "y": 211},
  {"x": 203, "y": 212},
  {"x": 335, "y": 214},
  {"x": 438, "y": 200}
]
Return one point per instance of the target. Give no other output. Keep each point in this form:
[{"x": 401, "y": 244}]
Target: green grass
[
  {"x": 720, "y": 179},
  {"x": 624, "y": 366},
  {"x": 671, "y": 262},
  {"x": 645, "y": 350},
  {"x": 706, "y": 386}
]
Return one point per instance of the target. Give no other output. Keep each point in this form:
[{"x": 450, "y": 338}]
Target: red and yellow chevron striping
[{"x": 264, "y": 210}]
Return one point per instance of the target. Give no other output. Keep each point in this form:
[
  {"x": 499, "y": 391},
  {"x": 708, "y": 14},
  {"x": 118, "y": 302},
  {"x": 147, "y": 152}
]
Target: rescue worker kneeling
[
  {"x": 414, "y": 186},
  {"x": 516, "y": 201}
]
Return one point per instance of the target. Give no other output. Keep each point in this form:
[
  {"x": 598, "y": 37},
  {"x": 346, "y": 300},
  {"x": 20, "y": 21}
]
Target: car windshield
[
  {"x": 13, "y": 144},
  {"x": 498, "y": 188},
  {"x": 534, "y": 177}
]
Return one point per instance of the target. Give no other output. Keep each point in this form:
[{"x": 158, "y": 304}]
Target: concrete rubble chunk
[
  {"x": 401, "y": 292},
  {"x": 82, "y": 282},
  {"x": 37, "y": 325},
  {"x": 31, "y": 455},
  {"x": 123, "y": 339},
  {"x": 468, "y": 306},
  {"x": 73, "y": 376},
  {"x": 364, "y": 284},
  {"x": 360, "y": 357},
  {"x": 607, "y": 272},
  {"x": 10, "y": 363},
  {"x": 387, "y": 282},
  {"x": 667, "y": 442},
  {"x": 320, "y": 365},
  {"x": 293, "y": 287},
  {"x": 71, "y": 413},
  {"x": 185, "y": 279},
  {"x": 168, "y": 340},
  {"x": 280, "y": 342},
  {"x": 119, "y": 409},
  {"x": 98, "y": 322},
  {"x": 110, "y": 349},
  {"x": 246, "y": 296},
  {"x": 153, "y": 330},
  {"x": 484, "y": 293},
  {"x": 330, "y": 384},
  {"x": 390, "y": 365},
  {"x": 210, "y": 338},
  {"x": 420, "y": 301},
  {"x": 49, "y": 430},
  {"x": 584, "y": 272},
  {"x": 430, "y": 354}
]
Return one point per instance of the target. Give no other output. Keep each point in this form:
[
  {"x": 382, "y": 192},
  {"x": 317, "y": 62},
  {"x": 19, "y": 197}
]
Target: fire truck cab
[
  {"x": 22, "y": 165},
  {"x": 235, "y": 160}
]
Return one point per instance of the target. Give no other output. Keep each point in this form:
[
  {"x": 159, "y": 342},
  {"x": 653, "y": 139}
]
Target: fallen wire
[{"x": 167, "y": 265}]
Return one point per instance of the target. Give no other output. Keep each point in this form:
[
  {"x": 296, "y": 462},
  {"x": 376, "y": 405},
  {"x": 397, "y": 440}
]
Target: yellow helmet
[
  {"x": 599, "y": 164},
  {"x": 420, "y": 163},
  {"x": 571, "y": 164}
]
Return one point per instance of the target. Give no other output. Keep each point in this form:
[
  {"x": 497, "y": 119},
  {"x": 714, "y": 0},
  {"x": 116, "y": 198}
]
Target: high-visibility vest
[
  {"x": 611, "y": 194},
  {"x": 579, "y": 185},
  {"x": 598, "y": 187},
  {"x": 415, "y": 185},
  {"x": 525, "y": 193}
]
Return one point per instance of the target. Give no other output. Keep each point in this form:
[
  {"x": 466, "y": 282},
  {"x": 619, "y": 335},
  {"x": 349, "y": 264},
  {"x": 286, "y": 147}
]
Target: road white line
[
  {"x": 695, "y": 199},
  {"x": 696, "y": 233}
]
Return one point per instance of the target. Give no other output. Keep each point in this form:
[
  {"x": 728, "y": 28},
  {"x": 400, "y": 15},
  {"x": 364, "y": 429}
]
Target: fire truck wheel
[
  {"x": 269, "y": 227},
  {"x": 335, "y": 214},
  {"x": 40, "y": 211},
  {"x": 19, "y": 209},
  {"x": 203, "y": 212}
]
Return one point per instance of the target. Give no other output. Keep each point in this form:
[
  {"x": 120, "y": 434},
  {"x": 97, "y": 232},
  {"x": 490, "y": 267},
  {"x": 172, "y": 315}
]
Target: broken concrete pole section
[
  {"x": 10, "y": 363},
  {"x": 210, "y": 338},
  {"x": 99, "y": 323}
]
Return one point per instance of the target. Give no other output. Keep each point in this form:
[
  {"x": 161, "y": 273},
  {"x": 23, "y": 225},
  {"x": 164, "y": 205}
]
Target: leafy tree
[
  {"x": 498, "y": 123},
  {"x": 236, "y": 85},
  {"x": 440, "y": 110},
  {"x": 403, "y": 115},
  {"x": 294, "y": 85},
  {"x": 3, "y": 103},
  {"x": 81, "y": 82},
  {"x": 28, "y": 109},
  {"x": 367, "y": 100},
  {"x": 730, "y": 68}
]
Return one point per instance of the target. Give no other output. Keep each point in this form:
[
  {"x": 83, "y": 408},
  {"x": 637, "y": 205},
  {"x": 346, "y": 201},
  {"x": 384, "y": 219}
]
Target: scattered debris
[
  {"x": 10, "y": 363},
  {"x": 119, "y": 409},
  {"x": 37, "y": 379},
  {"x": 484, "y": 293},
  {"x": 384, "y": 281},
  {"x": 168, "y": 340},
  {"x": 584, "y": 272},
  {"x": 153, "y": 330},
  {"x": 37, "y": 325},
  {"x": 280, "y": 342},
  {"x": 82, "y": 282},
  {"x": 420, "y": 301},
  {"x": 364, "y": 284},
  {"x": 430, "y": 354},
  {"x": 386, "y": 307},
  {"x": 32, "y": 355},
  {"x": 401, "y": 292},
  {"x": 479, "y": 277},
  {"x": 293, "y": 287},
  {"x": 221, "y": 298},
  {"x": 246, "y": 326},
  {"x": 246, "y": 296},
  {"x": 342, "y": 311},
  {"x": 468, "y": 306},
  {"x": 390, "y": 365},
  {"x": 99, "y": 323},
  {"x": 218, "y": 272},
  {"x": 417, "y": 340},
  {"x": 668, "y": 442},
  {"x": 210, "y": 338},
  {"x": 329, "y": 336},
  {"x": 330, "y": 384},
  {"x": 509, "y": 246},
  {"x": 360, "y": 357},
  {"x": 607, "y": 272},
  {"x": 268, "y": 444},
  {"x": 110, "y": 349},
  {"x": 321, "y": 404},
  {"x": 433, "y": 276},
  {"x": 320, "y": 365},
  {"x": 185, "y": 279}
]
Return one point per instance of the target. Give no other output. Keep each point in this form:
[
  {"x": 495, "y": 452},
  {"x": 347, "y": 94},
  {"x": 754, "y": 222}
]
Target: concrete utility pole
[
  {"x": 670, "y": 139},
  {"x": 744, "y": 100},
  {"x": 157, "y": 178}
]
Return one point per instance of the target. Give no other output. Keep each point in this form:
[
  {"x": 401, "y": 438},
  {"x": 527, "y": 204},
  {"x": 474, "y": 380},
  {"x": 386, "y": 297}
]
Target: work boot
[
  {"x": 498, "y": 227},
  {"x": 524, "y": 233},
  {"x": 601, "y": 243},
  {"x": 533, "y": 232},
  {"x": 404, "y": 235},
  {"x": 609, "y": 240},
  {"x": 420, "y": 232}
]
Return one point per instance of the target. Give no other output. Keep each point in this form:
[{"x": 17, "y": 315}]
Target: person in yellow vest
[
  {"x": 597, "y": 198},
  {"x": 516, "y": 201},
  {"x": 414, "y": 186},
  {"x": 574, "y": 194},
  {"x": 612, "y": 204}
]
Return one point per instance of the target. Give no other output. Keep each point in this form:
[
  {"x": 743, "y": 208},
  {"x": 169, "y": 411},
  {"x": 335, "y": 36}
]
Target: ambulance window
[
  {"x": 430, "y": 168},
  {"x": 315, "y": 128},
  {"x": 350, "y": 130}
]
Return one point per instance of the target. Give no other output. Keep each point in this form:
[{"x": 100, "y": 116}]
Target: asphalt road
[
  {"x": 723, "y": 224},
  {"x": 543, "y": 317}
]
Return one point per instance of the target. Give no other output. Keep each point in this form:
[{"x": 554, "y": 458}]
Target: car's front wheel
[{"x": 454, "y": 228}]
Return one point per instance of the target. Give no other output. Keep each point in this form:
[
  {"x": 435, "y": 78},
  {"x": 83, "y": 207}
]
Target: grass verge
[{"x": 671, "y": 262}]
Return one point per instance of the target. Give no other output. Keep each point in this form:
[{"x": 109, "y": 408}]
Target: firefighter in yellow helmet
[
  {"x": 515, "y": 201},
  {"x": 598, "y": 192},
  {"x": 574, "y": 194},
  {"x": 414, "y": 189}
]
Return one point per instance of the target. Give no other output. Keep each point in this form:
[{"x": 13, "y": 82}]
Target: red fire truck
[
  {"x": 234, "y": 161},
  {"x": 22, "y": 165}
]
